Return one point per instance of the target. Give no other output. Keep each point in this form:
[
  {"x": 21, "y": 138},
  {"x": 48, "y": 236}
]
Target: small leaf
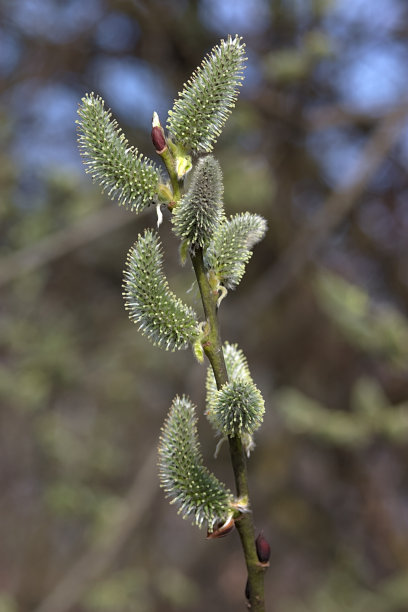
[
  {"x": 197, "y": 492},
  {"x": 198, "y": 350},
  {"x": 163, "y": 317},
  {"x": 206, "y": 101},
  {"x": 200, "y": 210},
  {"x": 130, "y": 178},
  {"x": 230, "y": 248}
]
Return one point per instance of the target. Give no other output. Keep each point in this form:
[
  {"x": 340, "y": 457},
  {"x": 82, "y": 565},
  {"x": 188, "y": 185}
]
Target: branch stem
[
  {"x": 244, "y": 523},
  {"x": 213, "y": 349},
  {"x": 170, "y": 164}
]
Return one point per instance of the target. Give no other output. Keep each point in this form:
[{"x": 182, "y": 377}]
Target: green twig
[
  {"x": 213, "y": 349},
  {"x": 169, "y": 162},
  {"x": 244, "y": 523}
]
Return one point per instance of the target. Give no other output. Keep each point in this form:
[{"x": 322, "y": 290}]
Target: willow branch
[{"x": 213, "y": 349}]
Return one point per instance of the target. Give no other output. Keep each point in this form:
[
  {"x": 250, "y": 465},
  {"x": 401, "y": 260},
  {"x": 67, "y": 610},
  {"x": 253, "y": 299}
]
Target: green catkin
[
  {"x": 197, "y": 492},
  {"x": 161, "y": 316},
  {"x": 200, "y": 210},
  {"x": 237, "y": 368},
  {"x": 237, "y": 409},
  {"x": 238, "y": 371},
  {"x": 128, "y": 177},
  {"x": 208, "y": 97},
  {"x": 230, "y": 248}
]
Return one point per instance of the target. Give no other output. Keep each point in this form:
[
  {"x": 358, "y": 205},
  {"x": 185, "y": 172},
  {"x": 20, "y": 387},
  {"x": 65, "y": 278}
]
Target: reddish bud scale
[
  {"x": 222, "y": 530},
  {"x": 158, "y": 139},
  {"x": 263, "y": 550}
]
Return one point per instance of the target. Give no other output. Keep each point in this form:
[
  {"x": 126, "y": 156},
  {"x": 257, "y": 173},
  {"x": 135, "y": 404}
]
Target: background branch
[
  {"x": 60, "y": 243},
  {"x": 334, "y": 211},
  {"x": 100, "y": 557}
]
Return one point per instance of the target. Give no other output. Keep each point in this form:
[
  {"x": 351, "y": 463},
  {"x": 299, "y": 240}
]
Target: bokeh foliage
[{"x": 83, "y": 395}]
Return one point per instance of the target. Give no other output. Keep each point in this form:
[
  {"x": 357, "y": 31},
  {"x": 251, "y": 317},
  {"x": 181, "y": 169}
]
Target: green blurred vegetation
[{"x": 83, "y": 395}]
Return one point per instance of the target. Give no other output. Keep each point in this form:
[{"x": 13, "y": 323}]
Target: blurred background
[{"x": 318, "y": 144}]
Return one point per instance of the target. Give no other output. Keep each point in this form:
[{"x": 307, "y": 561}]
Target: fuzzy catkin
[
  {"x": 208, "y": 97},
  {"x": 163, "y": 317},
  {"x": 230, "y": 249},
  {"x": 237, "y": 409},
  {"x": 237, "y": 369},
  {"x": 200, "y": 210},
  {"x": 129, "y": 177},
  {"x": 222, "y": 420},
  {"x": 197, "y": 492}
]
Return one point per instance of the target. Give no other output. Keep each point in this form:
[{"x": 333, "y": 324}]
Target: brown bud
[
  {"x": 222, "y": 530},
  {"x": 158, "y": 139},
  {"x": 263, "y": 549}
]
